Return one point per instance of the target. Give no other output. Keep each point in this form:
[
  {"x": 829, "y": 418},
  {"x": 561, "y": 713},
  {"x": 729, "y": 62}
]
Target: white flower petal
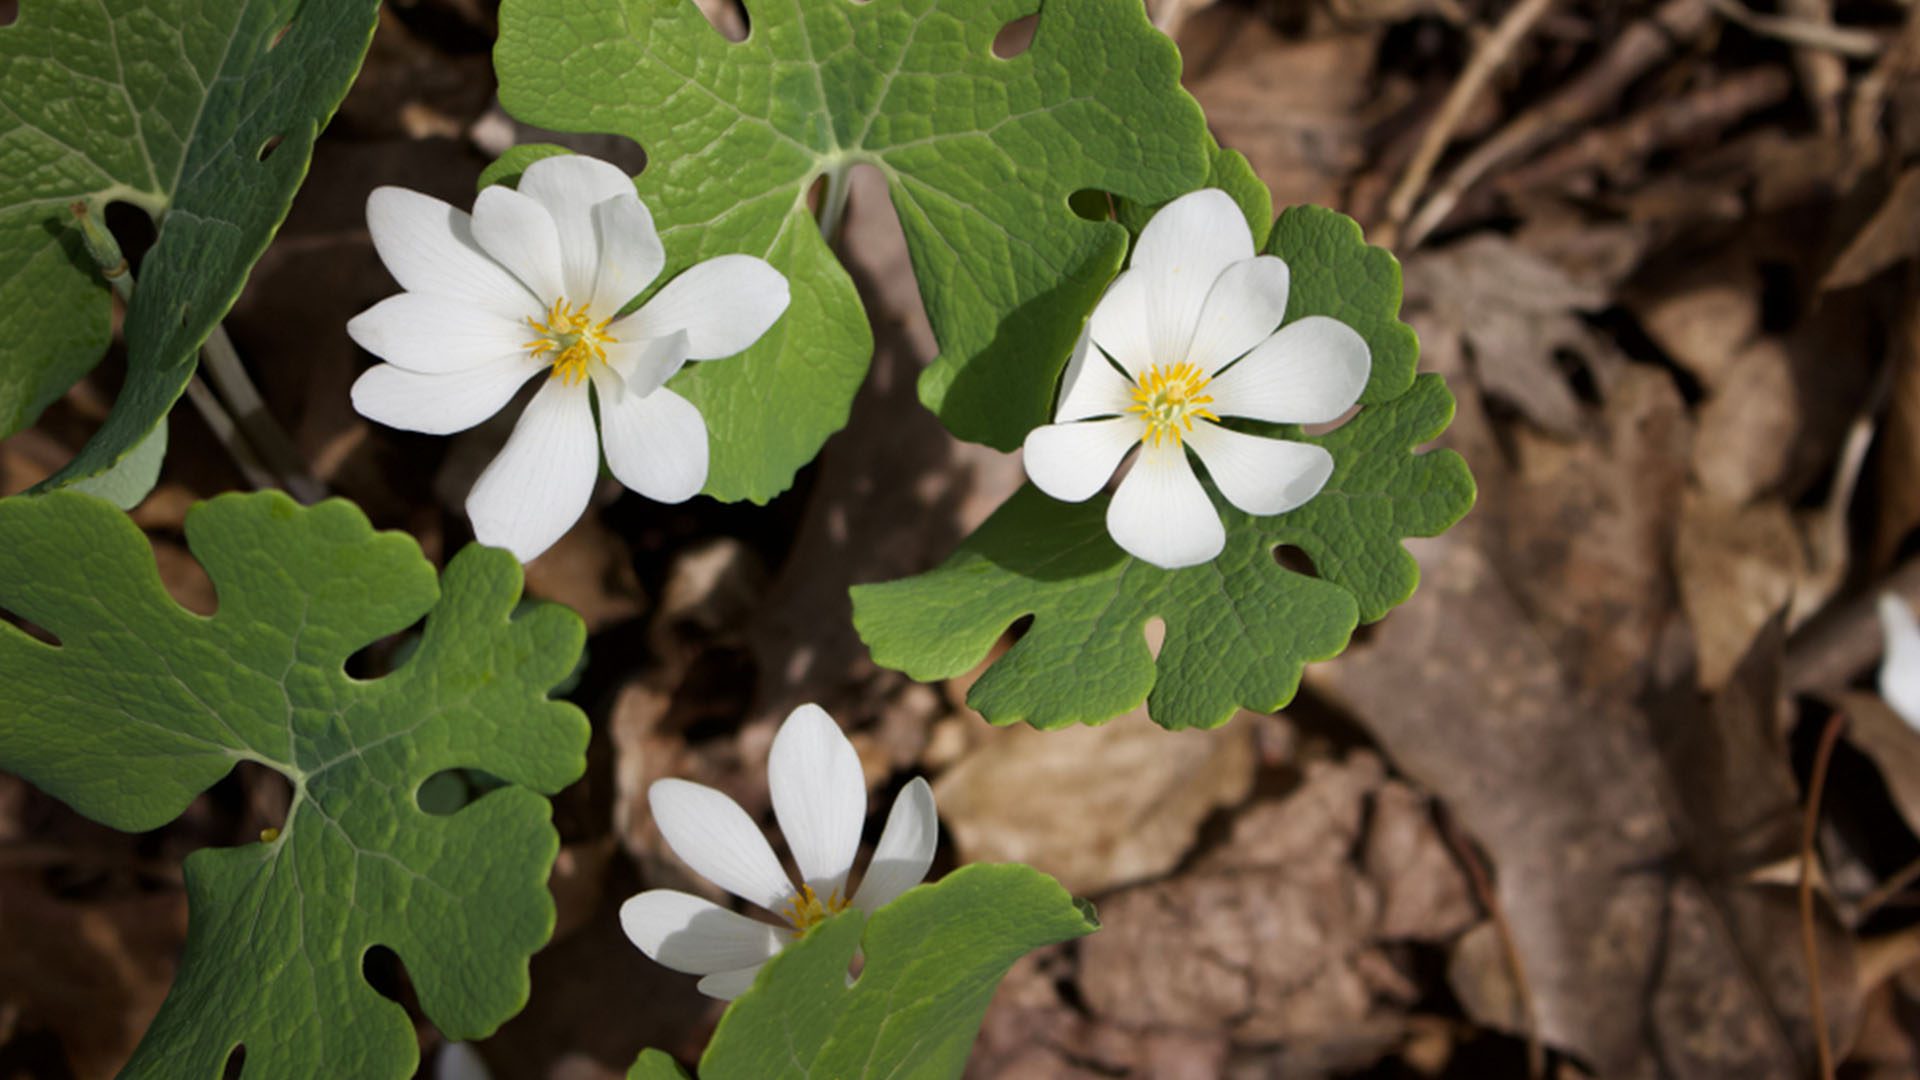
[
  {"x": 723, "y": 304},
  {"x": 428, "y": 247},
  {"x": 1119, "y": 323},
  {"x": 1072, "y": 462},
  {"x": 1247, "y": 302},
  {"x": 1259, "y": 475},
  {"x": 1180, "y": 254},
  {"x": 905, "y": 851},
  {"x": 1161, "y": 513},
  {"x": 434, "y": 335},
  {"x": 571, "y": 187},
  {"x": 1310, "y": 372},
  {"x": 719, "y": 841},
  {"x": 531, "y": 494},
  {"x": 1900, "y": 666},
  {"x": 630, "y": 253},
  {"x": 521, "y": 236},
  {"x": 1091, "y": 387},
  {"x": 727, "y": 985},
  {"x": 656, "y": 443},
  {"x": 819, "y": 797},
  {"x": 460, "y": 1061},
  {"x": 644, "y": 366},
  {"x": 440, "y": 404},
  {"x": 696, "y": 936}
]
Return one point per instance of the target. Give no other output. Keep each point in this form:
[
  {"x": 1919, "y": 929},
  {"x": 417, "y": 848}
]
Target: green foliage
[
  {"x": 127, "y": 484},
  {"x": 932, "y": 960},
  {"x": 201, "y": 113},
  {"x": 142, "y": 705},
  {"x": 1229, "y": 171},
  {"x": 1336, "y": 273},
  {"x": 1239, "y": 630},
  {"x": 981, "y": 156}
]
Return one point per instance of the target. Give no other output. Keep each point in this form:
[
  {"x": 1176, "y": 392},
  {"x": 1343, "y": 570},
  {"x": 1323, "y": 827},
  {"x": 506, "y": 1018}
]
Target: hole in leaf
[
  {"x": 258, "y": 796},
  {"x": 729, "y": 19},
  {"x": 267, "y": 148},
  {"x": 387, "y": 974},
  {"x": 816, "y": 194},
  {"x": 1091, "y": 204},
  {"x": 1015, "y": 37},
  {"x": 1295, "y": 559},
  {"x": 1156, "y": 632},
  {"x": 450, "y": 791},
  {"x": 383, "y": 657},
  {"x": 236, "y": 1063},
  {"x": 132, "y": 229},
  {"x": 32, "y": 629},
  {"x": 279, "y": 36}
]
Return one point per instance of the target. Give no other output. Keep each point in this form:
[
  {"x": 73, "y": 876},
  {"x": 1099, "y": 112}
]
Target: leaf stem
[
  {"x": 228, "y": 375},
  {"x": 833, "y": 204},
  {"x": 215, "y": 414},
  {"x": 248, "y": 431}
]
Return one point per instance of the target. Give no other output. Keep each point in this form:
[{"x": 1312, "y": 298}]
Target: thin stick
[
  {"x": 222, "y": 365},
  {"x": 1493, "y": 52},
  {"x": 258, "y": 476},
  {"x": 1644, "y": 44},
  {"x": 1886, "y": 891},
  {"x": 1809, "y": 941},
  {"x": 1842, "y": 40},
  {"x": 1509, "y": 949}
]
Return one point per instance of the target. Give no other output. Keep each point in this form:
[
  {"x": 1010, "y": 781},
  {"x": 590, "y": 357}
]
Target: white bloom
[
  {"x": 460, "y": 1061},
  {"x": 1184, "y": 337},
  {"x": 532, "y": 282},
  {"x": 1900, "y": 662},
  {"x": 820, "y": 800}
]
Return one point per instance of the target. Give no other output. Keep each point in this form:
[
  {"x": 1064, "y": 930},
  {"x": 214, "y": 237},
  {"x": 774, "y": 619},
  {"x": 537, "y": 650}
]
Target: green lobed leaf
[
  {"x": 142, "y": 705},
  {"x": 1239, "y": 630},
  {"x": 203, "y": 114},
  {"x": 1227, "y": 170},
  {"x": 981, "y": 156},
  {"x": 932, "y": 960},
  {"x": 1336, "y": 272},
  {"x": 127, "y": 484}
]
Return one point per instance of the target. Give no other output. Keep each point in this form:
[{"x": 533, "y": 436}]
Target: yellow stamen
[
  {"x": 572, "y": 338},
  {"x": 805, "y": 910},
  {"x": 1169, "y": 398}
]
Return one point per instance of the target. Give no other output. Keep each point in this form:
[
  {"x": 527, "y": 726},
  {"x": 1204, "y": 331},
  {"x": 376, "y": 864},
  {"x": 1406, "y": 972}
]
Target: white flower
[
  {"x": 1184, "y": 337},
  {"x": 532, "y": 282},
  {"x": 821, "y": 802},
  {"x": 460, "y": 1061},
  {"x": 1900, "y": 662}
]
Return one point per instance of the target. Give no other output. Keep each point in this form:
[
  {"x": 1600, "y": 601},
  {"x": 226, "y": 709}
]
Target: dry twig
[
  {"x": 1809, "y": 940},
  {"x": 1639, "y": 48},
  {"x": 1806, "y": 33},
  {"x": 1483, "y": 891},
  {"x": 1493, "y": 52},
  {"x": 1682, "y": 120}
]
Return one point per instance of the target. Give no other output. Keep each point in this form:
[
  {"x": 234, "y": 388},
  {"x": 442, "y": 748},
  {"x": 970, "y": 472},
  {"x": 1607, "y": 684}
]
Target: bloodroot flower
[
  {"x": 820, "y": 800},
  {"x": 1182, "y": 339},
  {"x": 531, "y": 283}
]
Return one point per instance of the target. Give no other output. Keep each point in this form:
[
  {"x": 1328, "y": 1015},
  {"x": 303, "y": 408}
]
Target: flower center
[
  {"x": 1169, "y": 397},
  {"x": 805, "y": 910},
  {"x": 571, "y": 338}
]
